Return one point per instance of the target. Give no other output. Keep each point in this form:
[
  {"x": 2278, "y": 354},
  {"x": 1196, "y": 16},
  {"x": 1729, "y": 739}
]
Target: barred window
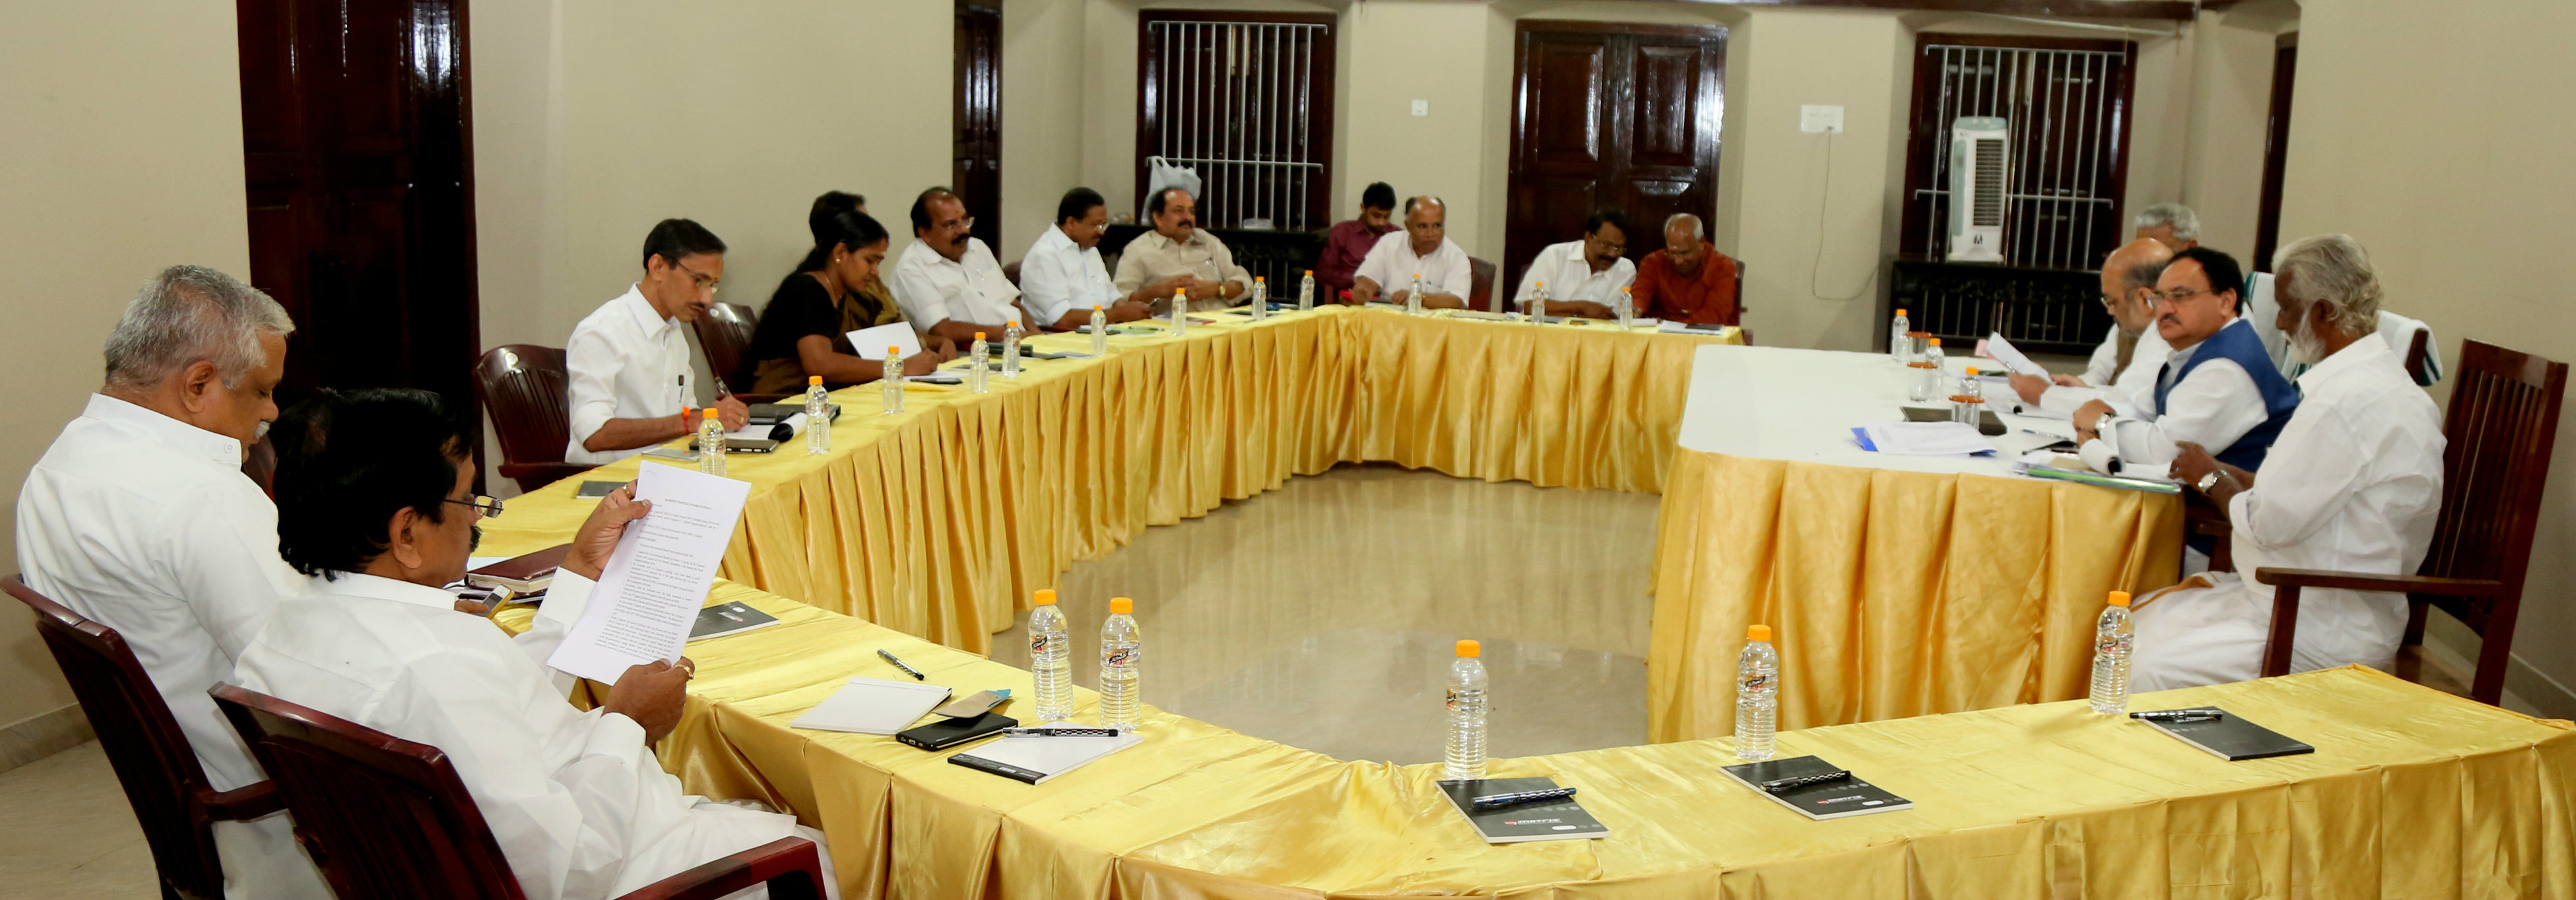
[{"x": 1245, "y": 99}]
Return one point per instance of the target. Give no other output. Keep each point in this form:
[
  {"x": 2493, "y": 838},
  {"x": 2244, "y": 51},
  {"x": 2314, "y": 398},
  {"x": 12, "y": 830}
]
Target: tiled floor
[{"x": 69, "y": 832}]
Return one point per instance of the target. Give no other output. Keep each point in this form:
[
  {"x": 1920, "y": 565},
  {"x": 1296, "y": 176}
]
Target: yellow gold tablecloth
[
  {"x": 2410, "y": 793},
  {"x": 1890, "y": 594},
  {"x": 938, "y": 522}
]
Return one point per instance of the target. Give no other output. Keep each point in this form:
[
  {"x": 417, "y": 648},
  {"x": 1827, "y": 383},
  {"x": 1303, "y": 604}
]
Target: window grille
[
  {"x": 2066, "y": 105},
  {"x": 1246, "y": 100}
]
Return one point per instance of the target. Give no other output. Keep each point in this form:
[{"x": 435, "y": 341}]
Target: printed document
[
  {"x": 2004, "y": 352},
  {"x": 650, "y": 591},
  {"x": 872, "y": 342}
]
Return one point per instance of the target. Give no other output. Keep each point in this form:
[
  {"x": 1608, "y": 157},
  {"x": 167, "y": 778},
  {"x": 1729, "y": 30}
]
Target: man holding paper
[
  {"x": 375, "y": 503},
  {"x": 2123, "y": 370}
]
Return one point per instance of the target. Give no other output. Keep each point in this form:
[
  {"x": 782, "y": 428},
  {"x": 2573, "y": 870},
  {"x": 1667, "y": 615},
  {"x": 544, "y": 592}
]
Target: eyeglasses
[
  {"x": 703, "y": 282},
  {"x": 490, "y": 507},
  {"x": 1613, "y": 249},
  {"x": 2178, "y": 295},
  {"x": 965, "y": 224}
]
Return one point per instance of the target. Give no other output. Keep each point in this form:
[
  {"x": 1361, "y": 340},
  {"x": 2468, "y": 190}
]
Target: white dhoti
[{"x": 2210, "y": 629}]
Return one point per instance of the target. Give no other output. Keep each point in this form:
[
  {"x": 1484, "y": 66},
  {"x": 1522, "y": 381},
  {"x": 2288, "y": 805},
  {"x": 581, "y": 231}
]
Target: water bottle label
[
  {"x": 1756, "y": 682},
  {"x": 2109, "y": 644},
  {"x": 1122, "y": 656},
  {"x": 1453, "y": 700},
  {"x": 1037, "y": 645}
]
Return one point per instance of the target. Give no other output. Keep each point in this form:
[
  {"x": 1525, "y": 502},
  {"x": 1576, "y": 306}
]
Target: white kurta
[
  {"x": 1059, "y": 276},
  {"x": 624, "y": 361},
  {"x": 2353, "y": 485},
  {"x": 969, "y": 291},
  {"x": 146, "y": 524},
  {"x": 1392, "y": 264},
  {"x": 2126, "y": 390},
  {"x": 2216, "y": 404},
  {"x": 575, "y": 799},
  {"x": 1569, "y": 276}
]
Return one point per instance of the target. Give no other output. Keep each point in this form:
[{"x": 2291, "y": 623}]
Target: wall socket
[
  {"x": 1820, "y": 119},
  {"x": 1422, "y": 107}
]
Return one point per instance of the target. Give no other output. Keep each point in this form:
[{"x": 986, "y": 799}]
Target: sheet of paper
[
  {"x": 872, "y": 706},
  {"x": 2004, "y": 352},
  {"x": 1928, "y": 439},
  {"x": 872, "y": 342},
  {"x": 651, "y": 589}
]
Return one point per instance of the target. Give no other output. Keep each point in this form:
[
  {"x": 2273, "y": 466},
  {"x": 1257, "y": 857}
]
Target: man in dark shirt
[
  {"x": 1350, "y": 241},
  {"x": 1688, "y": 280}
]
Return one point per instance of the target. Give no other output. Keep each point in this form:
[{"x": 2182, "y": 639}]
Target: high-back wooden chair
[
  {"x": 526, "y": 390},
  {"x": 2501, "y": 427},
  {"x": 388, "y": 818},
  {"x": 725, "y": 331},
  {"x": 1480, "y": 291},
  {"x": 163, "y": 781}
]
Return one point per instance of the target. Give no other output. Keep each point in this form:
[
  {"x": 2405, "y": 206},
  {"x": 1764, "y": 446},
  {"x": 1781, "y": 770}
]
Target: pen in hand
[{"x": 908, "y": 670}]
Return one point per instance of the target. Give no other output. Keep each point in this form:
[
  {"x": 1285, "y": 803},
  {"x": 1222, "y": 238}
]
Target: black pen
[
  {"x": 908, "y": 670},
  {"x": 2180, "y": 715},
  {"x": 1059, "y": 732},
  {"x": 1490, "y": 801},
  {"x": 1777, "y": 785}
]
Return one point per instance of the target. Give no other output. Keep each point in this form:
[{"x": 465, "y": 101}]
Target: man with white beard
[{"x": 2353, "y": 484}]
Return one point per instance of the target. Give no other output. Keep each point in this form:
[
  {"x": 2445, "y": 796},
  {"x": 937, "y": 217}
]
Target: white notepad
[
  {"x": 872, "y": 706},
  {"x": 1037, "y": 760}
]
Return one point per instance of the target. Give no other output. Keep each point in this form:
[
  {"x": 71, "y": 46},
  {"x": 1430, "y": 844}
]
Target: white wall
[
  {"x": 2455, "y": 175},
  {"x": 123, "y": 154}
]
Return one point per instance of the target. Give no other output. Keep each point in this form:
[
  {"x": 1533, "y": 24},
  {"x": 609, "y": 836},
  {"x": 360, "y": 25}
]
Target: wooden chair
[
  {"x": 524, "y": 388},
  {"x": 1480, "y": 294},
  {"x": 388, "y": 818},
  {"x": 725, "y": 332},
  {"x": 1740, "y": 305},
  {"x": 2501, "y": 427},
  {"x": 1011, "y": 272},
  {"x": 259, "y": 464},
  {"x": 163, "y": 781},
  {"x": 2415, "y": 356}
]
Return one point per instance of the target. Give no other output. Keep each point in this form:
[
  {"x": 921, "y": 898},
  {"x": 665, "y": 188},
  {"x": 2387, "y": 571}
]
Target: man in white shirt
[
  {"x": 628, "y": 362},
  {"x": 1062, "y": 276},
  {"x": 376, "y": 505},
  {"x": 947, "y": 281},
  {"x": 2354, "y": 485},
  {"x": 1422, "y": 248},
  {"x": 139, "y": 517},
  {"x": 2217, "y": 389},
  {"x": 2123, "y": 369},
  {"x": 1180, "y": 256},
  {"x": 1583, "y": 277}
]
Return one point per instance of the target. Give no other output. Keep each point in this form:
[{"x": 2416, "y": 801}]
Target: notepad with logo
[
  {"x": 1834, "y": 799},
  {"x": 1038, "y": 760},
  {"x": 2231, "y": 738},
  {"x": 872, "y": 706},
  {"x": 1545, "y": 821}
]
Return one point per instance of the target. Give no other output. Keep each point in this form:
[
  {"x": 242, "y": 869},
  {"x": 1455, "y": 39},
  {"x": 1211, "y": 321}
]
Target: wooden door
[
  {"x": 1610, "y": 115},
  {"x": 356, "y": 144},
  {"x": 2276, "y": 151},
  {"x": 978, "y": 115}
]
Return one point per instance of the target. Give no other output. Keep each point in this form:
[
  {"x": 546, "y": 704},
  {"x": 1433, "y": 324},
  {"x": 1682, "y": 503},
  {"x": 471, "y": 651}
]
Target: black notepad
[
  {"x": 728, "y": 618},
  {"x": 1849, "y": 796},
  {"x": 2231, "y": 738},
  {"x": 593, "y": 490},
  {"x": 1551, "y": 821},
  {"x": 774, "y": 413}
]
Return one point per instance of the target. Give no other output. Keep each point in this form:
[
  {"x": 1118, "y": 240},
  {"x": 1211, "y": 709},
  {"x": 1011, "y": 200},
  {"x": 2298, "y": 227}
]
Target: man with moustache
[
  {"x": 2217, "y": 389},
  {"x": 948, "y": 282},
  {"x": 1422, "y": 248},
  {"x": 1180, "y": 256},
  {"x": 627, "y": 363},
  {"x": 2123, "y": 369}
]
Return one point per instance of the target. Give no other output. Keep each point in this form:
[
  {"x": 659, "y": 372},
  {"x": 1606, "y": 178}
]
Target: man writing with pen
[{"x": 628, "y": 363}]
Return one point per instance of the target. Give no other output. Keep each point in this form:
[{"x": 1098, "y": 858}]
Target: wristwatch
[{"x": 2208, "y": 481}]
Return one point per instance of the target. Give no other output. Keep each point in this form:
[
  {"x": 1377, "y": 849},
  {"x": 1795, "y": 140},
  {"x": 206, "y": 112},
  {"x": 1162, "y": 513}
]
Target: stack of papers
[
  {"x": 1922, "y": 439},
  {"x": 872, "y": 706}
]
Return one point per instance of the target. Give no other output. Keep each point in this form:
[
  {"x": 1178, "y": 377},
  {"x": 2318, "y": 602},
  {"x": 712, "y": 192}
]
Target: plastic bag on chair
[{"x": 1161, "y": 175}]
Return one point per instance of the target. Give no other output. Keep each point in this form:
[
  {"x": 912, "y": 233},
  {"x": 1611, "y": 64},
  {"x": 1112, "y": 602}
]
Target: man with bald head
[
  {"x": 1687, "y": 280},
  {"x": 1422, "y": 248},
  {"x": 2123, "y": 370}
]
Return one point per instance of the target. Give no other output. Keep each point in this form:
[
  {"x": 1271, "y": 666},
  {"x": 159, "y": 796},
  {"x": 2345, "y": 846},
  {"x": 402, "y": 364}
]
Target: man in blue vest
[{"x": 2218, "y": 389}]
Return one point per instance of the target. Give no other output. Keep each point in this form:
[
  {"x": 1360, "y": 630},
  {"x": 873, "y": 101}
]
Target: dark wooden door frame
[
  {"x": 1643, "y": 237},
  {"x": 976, "y": 141},
  {"x": 2276, "y": 151}
]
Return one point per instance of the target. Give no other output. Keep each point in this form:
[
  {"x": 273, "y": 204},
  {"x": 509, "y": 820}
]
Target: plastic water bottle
[
  {"x": 1927, "y": 370},
  {"x": 1099, "y": 331},
  {"x": 980, "y": 361},
  {"x": 1757, "y": 695},
  {"x": 1969, "y": 404},
  {"x": 1900, "y": 340},
  {"x": 1260, "y": 298},
  {"x": 1627, "y": 310},
  {"x": 1537, "y": 304},
  {"x": 1306, "y": 292},
  {"x": 1119, "y": 653},
  {"x": 818, "y": 416},
  {"x": 1011, "y": 349},
  {"x": 1050, "y": 659},
  {"x": 711, "y": 444},
  {"x": 1180, "y": 313},
  {"x": 1466, "y": 715},
  {"x": 892, "y": 380},
  {"x": 2111, "y": 642},
  {"x": 1413, "y": 299}
]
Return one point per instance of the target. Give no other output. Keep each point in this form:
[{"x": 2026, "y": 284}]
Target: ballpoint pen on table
[
  {"x": 1490, "y": 801},
  {"x": 908, "y": 670}
]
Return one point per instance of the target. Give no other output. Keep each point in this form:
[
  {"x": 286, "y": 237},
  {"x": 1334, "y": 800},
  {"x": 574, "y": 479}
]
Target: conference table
[{"x": 922, "y": 533}]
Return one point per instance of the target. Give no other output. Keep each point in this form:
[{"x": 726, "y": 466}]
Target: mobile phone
[{"x": 952, "y": 732}]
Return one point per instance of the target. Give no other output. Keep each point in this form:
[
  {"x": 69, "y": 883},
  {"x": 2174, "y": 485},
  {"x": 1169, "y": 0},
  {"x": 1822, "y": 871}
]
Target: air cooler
[{"x": 1979, "y": 168}]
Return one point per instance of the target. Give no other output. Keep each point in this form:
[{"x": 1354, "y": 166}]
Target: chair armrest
[
  {"x": 792, "y": 867},
  {"x": 242, "y": 803},
  {"x": 2404, "y": 584}
]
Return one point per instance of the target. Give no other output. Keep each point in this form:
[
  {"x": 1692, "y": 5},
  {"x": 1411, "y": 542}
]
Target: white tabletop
[{"x": 1780, "y": 403}]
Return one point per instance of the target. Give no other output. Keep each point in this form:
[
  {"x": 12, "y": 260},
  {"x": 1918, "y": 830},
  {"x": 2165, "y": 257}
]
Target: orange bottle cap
[
  {"x": 2119, "y": 598},
  {"x": 1936, "y": 342},
  {"x": 813, "y": 379},
  {"x": 1972, "y": 370},
  {"x": 1014, "y": 323},
  {"x": 1044, "y": 597},
  {"x": 1121, "y": 606},
  {"x": 711, "y": 413},
  {"x": 1310, "y": 271},
  {"x": 1260, "y": 278},
  {"x": 892, "y": 350},
  {"x": 1900, "y": 312},
  {"x": 1757, "y": 632},
  {"x": 1470, "y": 649},
  {"x": 979, "y": 335}
]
